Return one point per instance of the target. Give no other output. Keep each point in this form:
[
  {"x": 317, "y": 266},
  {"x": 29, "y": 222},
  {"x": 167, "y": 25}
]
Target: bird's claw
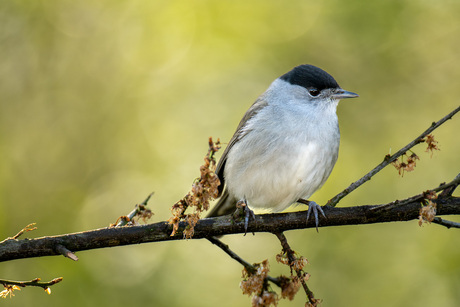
[
  {"x": 314, "y": 207},
  {"x": 248, "y": 213}
]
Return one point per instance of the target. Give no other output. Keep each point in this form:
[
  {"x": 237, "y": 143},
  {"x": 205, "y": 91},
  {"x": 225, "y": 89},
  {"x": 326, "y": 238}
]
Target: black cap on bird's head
[
  {"x": 310, "y": 76},
  {"x": 316, "y": 79}
]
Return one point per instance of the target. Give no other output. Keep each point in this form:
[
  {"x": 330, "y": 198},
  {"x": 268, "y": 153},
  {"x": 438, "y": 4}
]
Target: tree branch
[
  {"x": 299, "y": 272},
  {"x": 405, "y": 210},
  {"x": 249, "y": 267},
  {"x": 11, "y": 285},
  {"x": 448, "y": 224},
  {"x": 117, "y": 236},
  {"x": 33, "y": 283},
  {"x": 389, "y": 159}
]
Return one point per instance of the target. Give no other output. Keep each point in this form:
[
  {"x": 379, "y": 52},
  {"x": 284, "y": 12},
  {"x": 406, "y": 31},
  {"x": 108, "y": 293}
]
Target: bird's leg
[
  {"x": 248, "y": 213},
  {"x": 312, "y": 207}
]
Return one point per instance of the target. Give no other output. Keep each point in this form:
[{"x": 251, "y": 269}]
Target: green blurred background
[{"x": 103, "y": 102}]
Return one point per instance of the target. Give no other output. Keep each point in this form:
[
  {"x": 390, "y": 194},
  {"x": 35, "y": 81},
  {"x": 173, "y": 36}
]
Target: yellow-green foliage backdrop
[{"x": 103, "y": 102}]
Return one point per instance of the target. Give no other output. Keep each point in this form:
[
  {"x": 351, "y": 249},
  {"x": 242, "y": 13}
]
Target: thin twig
[
  {"x": 65, "y": 252},
  {"x": 138, "y": 209},
  {"x": 450, "y": 186},
  {"x": 33, "y": 283},
  {"x": 29, "y": 227},
  {"x": 454, "y": 183},
  {"x": 448, "y": 191},
  {"x": 389, "y": 159},
  {"x": 448, "y": 224},
  {"x": 249, "y": 267},
  {"x": 300, "y": 274}
]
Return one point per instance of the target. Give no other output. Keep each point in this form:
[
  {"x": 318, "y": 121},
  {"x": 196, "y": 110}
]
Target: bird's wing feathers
[{"x": 240, "y": 132}]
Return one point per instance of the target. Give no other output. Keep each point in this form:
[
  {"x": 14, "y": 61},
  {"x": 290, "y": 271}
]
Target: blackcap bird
[{"x": 285, "y": 146}]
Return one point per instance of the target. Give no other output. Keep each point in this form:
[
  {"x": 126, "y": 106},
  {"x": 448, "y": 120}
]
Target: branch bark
[{"x": 11, "y": 248}]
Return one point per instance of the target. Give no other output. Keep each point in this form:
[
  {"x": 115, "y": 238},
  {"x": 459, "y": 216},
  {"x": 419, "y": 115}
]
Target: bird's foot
[
  {"x": 248, "y": 213},
  {"x": 312, "y": 207}
]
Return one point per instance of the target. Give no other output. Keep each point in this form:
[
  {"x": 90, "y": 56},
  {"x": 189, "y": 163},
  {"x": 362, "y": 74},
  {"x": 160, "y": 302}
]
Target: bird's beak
[{"x": 342, "y": 94}]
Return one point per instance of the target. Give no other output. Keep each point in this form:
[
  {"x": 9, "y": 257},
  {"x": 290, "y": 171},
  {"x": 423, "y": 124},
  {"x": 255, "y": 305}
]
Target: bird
[{"x": 285, "y": 146}]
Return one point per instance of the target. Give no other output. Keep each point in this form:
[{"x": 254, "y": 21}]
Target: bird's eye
[{"x": 314, "y": 92}]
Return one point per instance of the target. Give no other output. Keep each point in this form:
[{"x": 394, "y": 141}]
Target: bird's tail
[{"x": 226, "y": 205}]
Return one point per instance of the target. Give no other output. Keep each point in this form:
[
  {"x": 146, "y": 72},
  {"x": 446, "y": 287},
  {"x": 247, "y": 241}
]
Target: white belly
[{"x": 275, "y": 174}]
